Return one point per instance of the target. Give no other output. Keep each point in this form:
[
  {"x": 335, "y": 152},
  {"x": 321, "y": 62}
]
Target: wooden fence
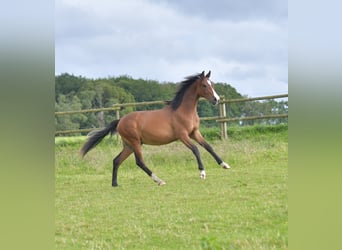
[{"x": 222, "y": 118}]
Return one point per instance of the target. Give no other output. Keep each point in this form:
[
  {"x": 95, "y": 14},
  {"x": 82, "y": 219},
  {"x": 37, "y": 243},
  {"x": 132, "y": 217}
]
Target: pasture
[{"x": 244, "y": 207}]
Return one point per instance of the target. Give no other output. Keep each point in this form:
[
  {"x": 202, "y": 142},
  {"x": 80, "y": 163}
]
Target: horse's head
[{"x": 205, "y": 88}]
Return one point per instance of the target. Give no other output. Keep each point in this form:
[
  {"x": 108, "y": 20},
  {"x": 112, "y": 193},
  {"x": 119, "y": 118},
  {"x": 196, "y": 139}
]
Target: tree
[
  {"x": 67, "y": 84},
  {"x": 77, "y": 92},
  {"x": 67, "y": 122}
]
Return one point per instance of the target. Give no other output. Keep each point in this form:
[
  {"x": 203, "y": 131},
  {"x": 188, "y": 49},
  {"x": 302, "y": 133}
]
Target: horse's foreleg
[
  {"x": 187, "y": 142},
  {"x": 117, "y": 162},
  {"x": 140, "y": 162},
  {"x": 196, "y": 135}
]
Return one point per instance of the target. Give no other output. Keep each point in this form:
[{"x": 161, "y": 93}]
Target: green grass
[{"x": 244, "y": 207}]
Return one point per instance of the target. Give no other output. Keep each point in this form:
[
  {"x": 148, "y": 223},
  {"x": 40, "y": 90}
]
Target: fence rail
[
  {"x": 256, "y": 98},
  {"x": 222, "y": 118}
]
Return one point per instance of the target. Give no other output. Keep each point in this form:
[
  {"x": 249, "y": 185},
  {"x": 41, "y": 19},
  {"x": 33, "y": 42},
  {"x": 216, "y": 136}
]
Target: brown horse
[{"x": 176, "y": 121}]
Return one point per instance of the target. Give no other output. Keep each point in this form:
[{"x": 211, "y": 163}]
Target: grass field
[{"x": 244, "y": 207}]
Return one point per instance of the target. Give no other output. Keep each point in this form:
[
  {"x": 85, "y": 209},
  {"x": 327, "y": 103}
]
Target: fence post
[
  {"x": 118, "y": 114},
  {"x": 223, "y": 115}
]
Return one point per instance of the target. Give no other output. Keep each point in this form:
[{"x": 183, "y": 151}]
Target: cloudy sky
[{"x": 244, "y": 43}]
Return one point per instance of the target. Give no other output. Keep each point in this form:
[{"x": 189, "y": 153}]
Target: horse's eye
[{"x": 204, "y": 85}]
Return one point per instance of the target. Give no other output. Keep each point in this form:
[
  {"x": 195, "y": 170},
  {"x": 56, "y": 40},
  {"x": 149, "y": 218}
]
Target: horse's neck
[{"x": 189, "y": 103}]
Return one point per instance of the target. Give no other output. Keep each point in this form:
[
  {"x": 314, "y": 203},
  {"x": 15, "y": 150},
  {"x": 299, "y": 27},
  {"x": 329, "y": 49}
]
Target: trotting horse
[{"x": 176, "y": 121}]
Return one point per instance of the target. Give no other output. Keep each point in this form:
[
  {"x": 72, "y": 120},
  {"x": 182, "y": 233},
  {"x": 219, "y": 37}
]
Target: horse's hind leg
[
  {"x": 117, "y": 162},
  {"x": 140, "y": 162}
]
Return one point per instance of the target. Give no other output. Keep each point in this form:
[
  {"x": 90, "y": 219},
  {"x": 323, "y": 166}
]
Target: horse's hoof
[
  {"x": 156, "y": 179},
  {"x": 225, "y": 165},
  {"x": 202, "y": 174}
]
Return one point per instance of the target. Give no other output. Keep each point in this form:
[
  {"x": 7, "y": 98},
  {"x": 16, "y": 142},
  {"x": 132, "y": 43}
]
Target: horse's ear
[
  {"x": 208, "y": 75},
  {"x": 202, "y": 74}
]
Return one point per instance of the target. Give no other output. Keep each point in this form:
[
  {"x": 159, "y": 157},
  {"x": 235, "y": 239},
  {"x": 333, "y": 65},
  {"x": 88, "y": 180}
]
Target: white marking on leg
[
  {"x": 156, "y": 179},
  {"x": 202, "y": 174},
  {"x": 224, "y": 165}
]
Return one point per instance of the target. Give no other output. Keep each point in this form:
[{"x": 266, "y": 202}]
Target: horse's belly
[{"x": 156, "y": 137}]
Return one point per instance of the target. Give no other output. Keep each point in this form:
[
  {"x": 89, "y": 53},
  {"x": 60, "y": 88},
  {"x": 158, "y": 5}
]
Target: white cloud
[{"x": 156, "y": 41}]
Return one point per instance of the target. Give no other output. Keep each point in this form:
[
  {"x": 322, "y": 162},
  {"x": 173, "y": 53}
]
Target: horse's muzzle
[{"x": 214, "y": 101}]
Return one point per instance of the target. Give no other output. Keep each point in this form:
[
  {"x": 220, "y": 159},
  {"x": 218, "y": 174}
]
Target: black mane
[{"x": 184, "y": 85}]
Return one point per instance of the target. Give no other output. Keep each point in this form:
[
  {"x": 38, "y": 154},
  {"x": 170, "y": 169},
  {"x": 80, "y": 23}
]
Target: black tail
[{"x": 95, "y": 137}]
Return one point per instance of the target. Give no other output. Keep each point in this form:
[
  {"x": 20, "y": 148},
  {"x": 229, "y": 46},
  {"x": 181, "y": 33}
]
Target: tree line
[{"x": 78, "y": 92}]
